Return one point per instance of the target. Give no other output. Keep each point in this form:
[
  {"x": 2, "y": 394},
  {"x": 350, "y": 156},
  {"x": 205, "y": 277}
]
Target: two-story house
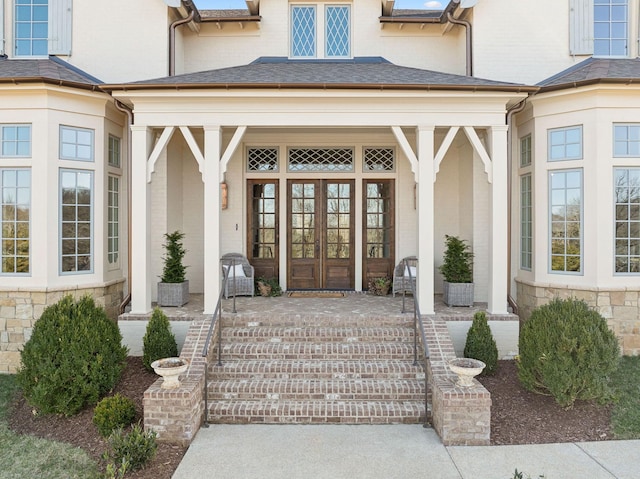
[{"x": 325, "y": 141}]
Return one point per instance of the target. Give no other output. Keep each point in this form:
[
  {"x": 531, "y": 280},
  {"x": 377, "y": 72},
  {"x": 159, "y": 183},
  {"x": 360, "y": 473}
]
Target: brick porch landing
[{"x": 311, "y": 360}]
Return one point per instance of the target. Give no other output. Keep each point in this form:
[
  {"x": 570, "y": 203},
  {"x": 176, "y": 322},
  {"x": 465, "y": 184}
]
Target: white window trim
[
  {"x": 320, "y": 50},
  {"x": 526, "y": 138},
  {"x": 117, "y": 164},
  {"x": 550, "y": 218},
  {"x": 530, "y": 223},
  {"x": 3, "y": 125},
  {"x": 114, "y": 264},
  {"x": 615, "y": 220},
  {"x": 76, "y": 129},
  {"x": 565, "y": 129},
  {"x": 616, "y": 125},
  {"x": 14, "y": 274},
  {"x": 91, "y": 227}
]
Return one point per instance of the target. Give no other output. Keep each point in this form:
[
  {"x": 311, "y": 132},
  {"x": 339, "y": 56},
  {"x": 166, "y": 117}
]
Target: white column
[
  {"x": 141, "y": 277},
  {"x": 425, "y": 146},
  {"x": 498, "y": 248},
  {"x": 212, "y": 180}
]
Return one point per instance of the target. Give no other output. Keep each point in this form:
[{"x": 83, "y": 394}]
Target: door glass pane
[
  {"x": 338, "y": 220},
  {"x": 378, "y": 220},
  {"x": 264, "y": 220}
]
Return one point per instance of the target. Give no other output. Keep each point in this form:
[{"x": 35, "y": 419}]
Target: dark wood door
[{"x": 320, "y": 234}]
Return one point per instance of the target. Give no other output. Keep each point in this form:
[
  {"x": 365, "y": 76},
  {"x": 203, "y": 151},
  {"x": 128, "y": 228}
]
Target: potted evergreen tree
[
  {"x": 173, "y": 288},
  {"x": 458, "y": 272}
]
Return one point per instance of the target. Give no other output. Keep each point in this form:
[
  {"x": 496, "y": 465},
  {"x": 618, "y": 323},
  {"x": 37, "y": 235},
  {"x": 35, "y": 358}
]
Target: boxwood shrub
[
  {"x": 74, "y": 357},
  {"x": 567, "y": 351},
  {"x": 158, "y": 342},
  {"x": 481, "y": 345},
  {"x": 113, "y": 412}
]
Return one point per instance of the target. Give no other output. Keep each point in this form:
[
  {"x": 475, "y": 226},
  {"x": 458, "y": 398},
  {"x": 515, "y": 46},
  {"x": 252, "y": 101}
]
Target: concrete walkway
[{"x": 394, "y": 451}]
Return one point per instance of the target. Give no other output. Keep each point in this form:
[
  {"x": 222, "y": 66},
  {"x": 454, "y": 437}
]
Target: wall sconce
[{"x": 225, "y": 195}]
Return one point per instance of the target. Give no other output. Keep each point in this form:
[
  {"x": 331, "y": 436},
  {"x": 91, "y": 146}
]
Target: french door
[{"x": 320, "y": 234}]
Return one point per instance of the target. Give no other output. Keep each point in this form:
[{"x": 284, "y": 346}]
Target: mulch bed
[
  {"x": 517, "y": 417},
  {"x": 79, "y": 430}
]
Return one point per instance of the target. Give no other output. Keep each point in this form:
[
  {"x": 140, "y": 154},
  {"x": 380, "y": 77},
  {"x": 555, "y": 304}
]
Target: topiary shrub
[
  {"x": 481, "y": 345},
  {"x": 74, "y": 357},
  {"x": 113, "y": 412},
  {"x": 567, "y": 351},
  {"x": 131, "y": 450},
  {"x": 158, "y": 342}
]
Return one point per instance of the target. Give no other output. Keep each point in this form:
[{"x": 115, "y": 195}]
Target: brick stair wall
[{"x": 347, "y": 371}]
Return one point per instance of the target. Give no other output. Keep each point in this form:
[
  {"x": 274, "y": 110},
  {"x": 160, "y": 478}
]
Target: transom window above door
[{"x": 320, "y": 31}]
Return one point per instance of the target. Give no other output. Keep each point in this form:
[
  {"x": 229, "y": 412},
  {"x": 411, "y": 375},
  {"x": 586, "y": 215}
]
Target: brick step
[
  {"x": 280, "y": 368},
  {"x": 315, "y": 389},
  {"x": 312, "y": 334},
  {"x": 318, "y": 351},
  {"x": 316, "y": 412},
  {"x": 314, "y": 320}
]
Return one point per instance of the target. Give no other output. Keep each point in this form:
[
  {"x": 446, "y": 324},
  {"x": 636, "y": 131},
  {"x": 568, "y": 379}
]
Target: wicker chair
[
  {"x": 243, "y": 283},
  {"x": 401, "y": 280}
]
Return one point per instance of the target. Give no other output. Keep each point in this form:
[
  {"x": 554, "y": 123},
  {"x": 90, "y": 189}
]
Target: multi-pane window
[
  {"x": 526, "y": 222},
  {"x": 337, "y": 31},
  {"x": 565, "y": 143},
  {"x": 113, "y": 219},
  {"x": 264, "y": 197},
  {"x": 16, "y": 214},
  {"x": 565, "y": 221},
  {"x": 31, "y": 27},
  {"x": 303, "y": 31},
  {"x": 626, "y": 140},
  {"x": 378, "y": 159},
  {"x": 262, "y": 159},
  {"x": 525, "y": 151},
  {"x": 76, "y": 220},
  {"x": 15, "y": 141},
  {"x": 379, "y": 218},
  {"x": 610, "y": 28},
  {"x": 627, "y": 221},
  {"x": 76, "y": 143},
  {"x": 114, "y": 151},
  {"x": 307, "y": 22},
  {"x": 321, "y": 159}
]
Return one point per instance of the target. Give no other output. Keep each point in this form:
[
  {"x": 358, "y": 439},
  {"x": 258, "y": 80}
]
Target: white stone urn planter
[
  {"x": 170, "y": 369},
  {"x": 466, "y": 369}
]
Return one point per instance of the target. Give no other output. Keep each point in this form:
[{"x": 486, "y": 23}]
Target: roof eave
[
  {"x": 242, "y": 18},
  {"x": 591, "y": 81},
  {"x": 324, "y": 86},
  {"x": 52, "y": 81}
]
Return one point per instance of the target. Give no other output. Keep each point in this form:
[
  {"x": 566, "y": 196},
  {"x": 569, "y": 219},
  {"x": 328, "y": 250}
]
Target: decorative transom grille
[
  {"x": 262, "y": 159},
  {"x": 379, "y": 159},
  {"x": 337, "y": 26},
  {"x": 321, "y": 159},
  {"x": 303, "y": 31}
]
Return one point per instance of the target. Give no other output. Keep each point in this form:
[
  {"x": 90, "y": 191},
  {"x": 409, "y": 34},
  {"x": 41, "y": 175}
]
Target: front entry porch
[{"x": 291, "y": 328}]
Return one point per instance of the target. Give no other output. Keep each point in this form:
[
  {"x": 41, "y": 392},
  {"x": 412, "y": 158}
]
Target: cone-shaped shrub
[
  {"x": 158, "y": 342},
  {"x": 567, "y": 351},
  {"x": 74, "y": 357},
  {"x": 481, "y": 345}
]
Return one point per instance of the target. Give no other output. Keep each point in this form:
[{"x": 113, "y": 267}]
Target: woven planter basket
[{"x": 458, "y": 294}]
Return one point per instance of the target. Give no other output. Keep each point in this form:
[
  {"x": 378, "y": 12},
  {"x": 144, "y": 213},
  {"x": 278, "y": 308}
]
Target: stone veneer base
[
  {"x": 21, "y": 308},
  {"x": 619, "y": 306}
]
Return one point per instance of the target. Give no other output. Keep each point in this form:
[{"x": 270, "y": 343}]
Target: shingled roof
[
  {"x": 595, "y": 70},
  {"x": 47, "y": 70},
  {"x": 363, "y": 72}
]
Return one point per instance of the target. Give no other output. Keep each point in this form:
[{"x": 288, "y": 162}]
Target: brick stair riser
[
  {"x": 287, "y": 389},
  {"x": 295, "y": 334},
  {"x": 317, "y": 412},
  {"x": 316, "y": 370},
  {"x": 317, "y": 351}
]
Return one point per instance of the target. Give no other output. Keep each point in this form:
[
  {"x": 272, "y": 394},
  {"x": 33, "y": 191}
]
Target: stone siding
[
  {"x": 619, "y": 306},
  {"x": 19, "y": 311}
]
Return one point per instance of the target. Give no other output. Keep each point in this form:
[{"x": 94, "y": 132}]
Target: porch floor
[{"x": 349, "y": 305}]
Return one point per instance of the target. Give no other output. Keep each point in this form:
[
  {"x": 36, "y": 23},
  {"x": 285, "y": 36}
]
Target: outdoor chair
[
  {"x": 239, "y": 274},
  {"x": 402, "y": 282}
]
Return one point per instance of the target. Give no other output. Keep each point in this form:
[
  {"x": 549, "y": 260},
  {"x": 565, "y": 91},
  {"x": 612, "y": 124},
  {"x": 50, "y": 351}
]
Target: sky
[{"x": 411, "y": 4}]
